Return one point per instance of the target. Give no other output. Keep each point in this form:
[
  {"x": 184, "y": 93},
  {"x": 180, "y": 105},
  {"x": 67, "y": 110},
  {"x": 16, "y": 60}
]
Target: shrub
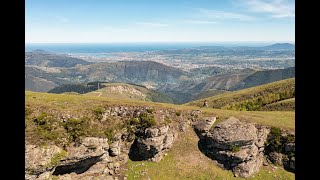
[
  {"x": 167, "y": 120},
  {"x": 98, "y": 112},
  {"x": 274, "y": 140},
  {"x": 147, "y": 120},
  {"x": 55, "y": 160},
  {"x": 178, "y": 113},
  {"x": 75, "y": 128},
  {"x": 150, "y": 110},
  {"x": 41, "y": 119},
  {"x": 109, "y": 134},
  {"x": 133, "y": 121}
]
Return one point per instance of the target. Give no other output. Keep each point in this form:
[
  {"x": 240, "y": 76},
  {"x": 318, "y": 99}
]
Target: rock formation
[
  {"x": 153, "y": 144},
  {"x": 234, "y": 145}
]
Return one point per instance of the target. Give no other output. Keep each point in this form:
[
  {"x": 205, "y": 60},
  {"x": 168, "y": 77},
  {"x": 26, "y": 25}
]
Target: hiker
[{"x": 205, "y": 103}]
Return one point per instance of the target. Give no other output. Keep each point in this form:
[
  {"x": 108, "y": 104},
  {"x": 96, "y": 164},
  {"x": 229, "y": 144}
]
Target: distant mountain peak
[
  {"x": 41, "y": 51},
  {"x": 280, "y": 46}
]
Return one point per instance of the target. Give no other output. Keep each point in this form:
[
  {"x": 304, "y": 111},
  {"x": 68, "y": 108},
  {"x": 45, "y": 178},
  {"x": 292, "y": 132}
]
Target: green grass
[
  {"x": 79, "y": 105},
  {"x": 285, "y": 105},
  {"x": 259, "y": 95},
  {"x": 209, "y": 93}
]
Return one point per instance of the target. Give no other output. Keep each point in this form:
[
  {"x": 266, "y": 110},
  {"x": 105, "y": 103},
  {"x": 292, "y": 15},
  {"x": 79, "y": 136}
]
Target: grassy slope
[
  {"x": 221, "y": 100},
  {"x": 143, "y": 94},
  {"x": 209, "y": 93},
  {"x": 80, "y": 103},
  {"x": 285, "y": 105}
]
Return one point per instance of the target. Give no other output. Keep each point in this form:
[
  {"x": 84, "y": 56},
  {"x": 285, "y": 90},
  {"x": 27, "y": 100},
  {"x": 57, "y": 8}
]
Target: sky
[{"x": 121, "y": 21}]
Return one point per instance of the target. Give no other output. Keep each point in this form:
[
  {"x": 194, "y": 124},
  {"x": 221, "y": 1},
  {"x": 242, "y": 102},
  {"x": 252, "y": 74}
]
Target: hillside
[
  {"x": 280, "y": 46},
  {"x": 284, "y": 105},
  {"x": 137, "y": 72},
  {"x": 264, "y": 77},
  {"x": 208, "y": 93},
  {"x": 252, "y": 98},
  {"x": 49, "y": 59},
  {"x": 42, "y": 79},
  {"x": 80, "y": 88},
  {"x": 189, "y": 89},
  {"x": 147, "y": 73},
  {"x": 56, "y": 122},
  {"x": 124, "y": 91},
  {"x": 38, "y": 84}
]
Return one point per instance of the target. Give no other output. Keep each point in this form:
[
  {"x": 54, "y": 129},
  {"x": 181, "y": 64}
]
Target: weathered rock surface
[
  {"x": 282, "y": 154},
  {"x": 81, "y": 158},
  {"x": 205, "y": 124},
  {"x": 154, "y": 143},
  {"x": 38, "y": 159},
  {"x": 234, "y": 144},
  {"x": 78, "y": 159},
  {"x": 276, "y": 158}
]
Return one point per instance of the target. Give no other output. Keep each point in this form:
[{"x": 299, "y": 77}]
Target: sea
[{"x": 106, "y": 49}]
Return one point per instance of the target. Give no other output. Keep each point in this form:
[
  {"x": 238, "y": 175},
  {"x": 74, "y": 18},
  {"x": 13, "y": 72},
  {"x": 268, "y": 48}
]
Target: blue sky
[{"x": 107, "y": 21}]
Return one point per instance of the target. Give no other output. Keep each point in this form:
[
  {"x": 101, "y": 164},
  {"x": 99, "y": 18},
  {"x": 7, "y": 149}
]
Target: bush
[
  {"x": 167, "y": 120},
  {"x": 41, "y": 119},
  {"x": 274, "y": 140},
  {"x": 147, "y": 120},
  {"x": 55, "y": 160},
  {"x": 178, "y": 113},
  {"x": 98, "y": 112},
  {"x": 150, "y": 110},
  {"x": 109, "y": 134},
  {"x": 75, "y": 128},
  {"x": 133, "y": 121}
]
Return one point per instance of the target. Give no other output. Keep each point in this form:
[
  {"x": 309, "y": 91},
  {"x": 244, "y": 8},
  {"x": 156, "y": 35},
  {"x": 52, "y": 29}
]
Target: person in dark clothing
[{"x": 205, "y": 103}]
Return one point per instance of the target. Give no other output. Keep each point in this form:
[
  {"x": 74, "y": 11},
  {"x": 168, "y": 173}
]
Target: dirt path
[{"x": 99, "y": 94}]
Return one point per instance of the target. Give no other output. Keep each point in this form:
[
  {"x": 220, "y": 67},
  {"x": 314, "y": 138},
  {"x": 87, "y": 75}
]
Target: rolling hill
[
  {"x": 253, "y": 98},
  {"x": 122, "y": 91},
  {"x": 264, "y": 77},
  {"x": 147, "y": 73},
  {"x": 190, "y": 89},
  {"x": 49, "y": 59},
  {"x": 279, "y": 46}
]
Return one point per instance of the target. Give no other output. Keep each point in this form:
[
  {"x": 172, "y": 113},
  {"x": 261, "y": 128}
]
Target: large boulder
[
  {"x": 155, "y": 141},
  {"x": 236, "y": 145}
]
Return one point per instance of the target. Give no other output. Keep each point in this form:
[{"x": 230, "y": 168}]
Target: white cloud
[
  {"x": 277, "y": 8},
  {"x": 200, "y": 22},
  {"x": 152, "y": 24},
  {"x": 222, "y": 15}
]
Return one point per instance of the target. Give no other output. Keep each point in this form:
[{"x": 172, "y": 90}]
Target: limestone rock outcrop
[
  {"x": 235, "y": 145},
  {"x": 154, "y": 143}
]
